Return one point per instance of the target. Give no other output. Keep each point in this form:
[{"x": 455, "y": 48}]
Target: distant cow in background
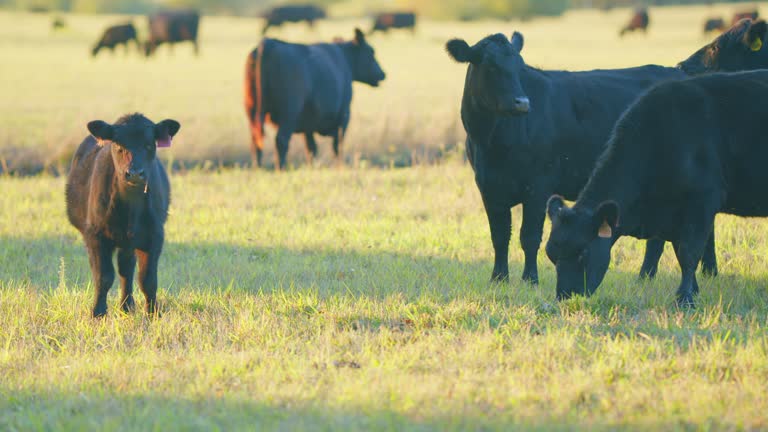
[
  {"x": 392, "y": 20},
  {"x": 639, "y": 21},
  {"x": 58, "y": 23},
  {"x": 172, "y": 27},
  {"x": 738, "y": 16},
  {"x": 305, "y": 89},
  {"x": 116, "y": 35},
  {"x": 279, "y": 15},
  {"x": 712, "y": 24}
]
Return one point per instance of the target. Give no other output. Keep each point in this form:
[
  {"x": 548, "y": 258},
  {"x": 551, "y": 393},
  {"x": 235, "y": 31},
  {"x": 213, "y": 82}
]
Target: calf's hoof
[
  {"x": 99, "y": 312},
  {"x": 685, "y": 302},
  {"x": 532, "y": 278},
  {"x": 709, "y": 271},
  {"x": 128, "y": 305}
]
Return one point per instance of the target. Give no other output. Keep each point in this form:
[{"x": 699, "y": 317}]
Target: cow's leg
[
  {"x": 282, "y": 140},
  {"x": 534, "y": 211},
  {"x": 311, "y": 147},
  {"x": 709, "y": 260},
  {"x": 689, "y": 248},
  {"x": 257, "y": 139},
  {"x": 196, "y": 47},
  {"x": 500, "y": 221},
  {"x": 148, "y": 276},
  {"x": 654, "y": 247},
  {"x": 338, "y": 145},
  {"x": 100, "y": 256},
  {"x": 126, "y": 263}
]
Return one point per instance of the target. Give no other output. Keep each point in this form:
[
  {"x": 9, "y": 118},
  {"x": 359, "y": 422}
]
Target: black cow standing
[
  {"x": 279, "y": 15},
  {"x": 305, "y": 89},
  {"x": 683, "y": 152},
  {"x": 394, "y": 20},
  {"x": 117, "y": 197},
  {"x": 116, "y": 35},
  {"x": 532, "y": 133},
  {"x": 171, "y": 27},
  {"x": 639, "y": 21}
]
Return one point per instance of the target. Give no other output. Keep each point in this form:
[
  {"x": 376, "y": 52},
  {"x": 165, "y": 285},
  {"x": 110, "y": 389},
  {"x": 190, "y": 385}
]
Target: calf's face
[
  {"x": 740, "y": 48},
  {"x": 134, "y": 146},
  {"x": 365, "y": 68},
  {"x": 494, "y": 72},
  {"x": 579, "y": 245}
]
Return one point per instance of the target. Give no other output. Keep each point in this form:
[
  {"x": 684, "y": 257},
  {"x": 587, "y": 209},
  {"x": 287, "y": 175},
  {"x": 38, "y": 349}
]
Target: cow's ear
[
  {"x": 606, "y": 218},
  {"x": 460, "y": 51},
  {"x": 164, "y": 131},
  {"x": 554, "y": 205},
  {"x": 101, "y": 130},
  {"x": 359, "y": 37},
  {"x": 755, "y": 35},
  {"x": 517, "y": 41}
]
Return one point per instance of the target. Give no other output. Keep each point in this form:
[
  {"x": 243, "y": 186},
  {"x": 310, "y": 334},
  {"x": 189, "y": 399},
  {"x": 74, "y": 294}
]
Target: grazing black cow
[
  {"x": 172, "y": 27},
  {"x": 279, "y": 15},
  {"x": 524, "y": 150},
  {"x": 714, "y": 24},
  {"x": 738, "y": 16},
  {"x": 394, "y": 20},
  {"x": 683, "y": 152},
  {"x": 639, "y": 21},
  {"x": 117, "y": 197},
  {"x": 305, "y": 89},
  {"x": 116, "y": 35},
  {"x": 740, "y": 48}
]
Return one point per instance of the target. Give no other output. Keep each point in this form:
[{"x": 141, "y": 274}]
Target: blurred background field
[{"x": 51, "y": 86}]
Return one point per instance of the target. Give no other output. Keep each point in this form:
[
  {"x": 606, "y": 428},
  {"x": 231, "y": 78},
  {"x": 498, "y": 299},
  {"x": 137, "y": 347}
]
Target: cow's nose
[
  {"x": 522, "y": 104},
  {"x": 135, "y": 175}
]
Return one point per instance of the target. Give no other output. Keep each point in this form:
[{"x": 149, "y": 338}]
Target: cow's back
[{"x": 311, "y": 79}]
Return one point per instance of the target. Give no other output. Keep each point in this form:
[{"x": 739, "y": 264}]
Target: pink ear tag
[{"x": 165, "y": 142}]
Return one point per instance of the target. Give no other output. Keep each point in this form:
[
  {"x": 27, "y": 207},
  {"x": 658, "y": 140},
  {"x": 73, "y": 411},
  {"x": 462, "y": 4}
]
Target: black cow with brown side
[
  {"x": 385, "y": 21},
  {"x": 172, "y": 27},
  {"x": 120, "y": 34},
  {"x": 117, "y": 197}
]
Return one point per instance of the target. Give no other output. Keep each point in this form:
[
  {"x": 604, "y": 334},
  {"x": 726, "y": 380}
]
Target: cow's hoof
[
  {"x": 685, "y": 302},
  {"x": 499, "y": 278},
  {"x": 128, "y": 305}
]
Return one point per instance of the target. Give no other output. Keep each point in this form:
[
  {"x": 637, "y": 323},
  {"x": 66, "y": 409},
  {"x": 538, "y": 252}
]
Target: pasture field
[
  {"x": 354, "y": 298},
  {"x": 358, "y": 299}
]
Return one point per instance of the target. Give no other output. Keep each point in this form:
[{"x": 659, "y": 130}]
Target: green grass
[
  {"x": 358, "y": 299},
  {"x": 352, "y": 299}
]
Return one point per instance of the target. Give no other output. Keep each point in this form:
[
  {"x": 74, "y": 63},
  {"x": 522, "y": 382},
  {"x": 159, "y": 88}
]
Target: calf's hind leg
[{"x": 530, "y": 236}]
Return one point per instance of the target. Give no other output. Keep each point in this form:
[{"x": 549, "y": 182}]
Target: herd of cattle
[
  {"x": 174, "y": 26},
  {"x": 651, "y": 152},
  {"x": 640, "y": 20}
]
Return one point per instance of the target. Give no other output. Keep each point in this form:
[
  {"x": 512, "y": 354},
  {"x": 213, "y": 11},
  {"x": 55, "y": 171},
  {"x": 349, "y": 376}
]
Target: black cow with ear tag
[{"x": 117, "y": 197}]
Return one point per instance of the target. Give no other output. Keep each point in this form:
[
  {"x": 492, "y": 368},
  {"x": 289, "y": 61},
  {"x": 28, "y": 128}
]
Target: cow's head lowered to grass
[
  {"x": 493, "y": 78},
  {"x": 580, "y": 245}
]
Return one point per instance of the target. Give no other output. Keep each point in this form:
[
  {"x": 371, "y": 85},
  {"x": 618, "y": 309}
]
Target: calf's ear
[
  {"x": 606, "y": 218},
  {"x": 101, "y": 130},
  {"x": 554, "y": 205},
  {"x": 517, "y": 41},
  {"x": 164, "y": 131},
  {"x": 460, "y": 51},
  {"x": 755, "y": 35}
]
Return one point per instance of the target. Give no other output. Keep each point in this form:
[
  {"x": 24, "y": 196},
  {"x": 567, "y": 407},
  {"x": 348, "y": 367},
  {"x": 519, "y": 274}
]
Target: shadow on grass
[{"x": 61, "y": 261}]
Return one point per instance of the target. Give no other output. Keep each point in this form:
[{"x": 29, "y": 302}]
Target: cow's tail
[{"x": 254, "y": 101}]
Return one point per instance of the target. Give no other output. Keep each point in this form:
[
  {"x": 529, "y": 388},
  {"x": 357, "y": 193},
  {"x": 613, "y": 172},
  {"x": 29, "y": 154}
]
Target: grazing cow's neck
[{"x": 618, "y": 176}]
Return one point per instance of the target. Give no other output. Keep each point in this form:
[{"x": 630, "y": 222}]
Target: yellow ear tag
[
  {"x": 756, "y": 44},
  {"x": 605, "y": 230}
]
